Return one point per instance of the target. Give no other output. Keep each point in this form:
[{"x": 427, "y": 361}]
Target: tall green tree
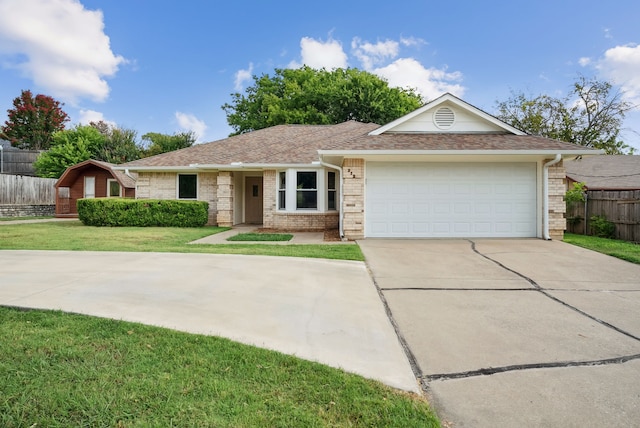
[
  {"x": 69, "y": 147},
  {"x": 310, "y": 96},
  {"x": 119, "y": 146},
  {"x": 590, "y": 115},
  {"x": 156, "y": 143},
  {"x": 99, "y": 141},
  {"x": 33, "y": 120}
]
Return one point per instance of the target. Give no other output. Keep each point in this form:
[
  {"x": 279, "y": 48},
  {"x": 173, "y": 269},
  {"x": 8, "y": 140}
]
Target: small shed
[{"x": 91, "y": 179}]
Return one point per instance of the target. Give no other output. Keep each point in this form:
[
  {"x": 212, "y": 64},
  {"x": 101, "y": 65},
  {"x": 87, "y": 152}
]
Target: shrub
[
  {"x": 142, "y": 212},
  {"x": 601, "y": 227}
]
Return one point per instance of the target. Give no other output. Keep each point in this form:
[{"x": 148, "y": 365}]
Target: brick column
[
  {"x": 353, "y": 198},
  {"x": 557, "y": 205},
  {"x": 225, "y": 199},
  {"x": 207, "y": 192},
  {"x": 269, "y": 183}
]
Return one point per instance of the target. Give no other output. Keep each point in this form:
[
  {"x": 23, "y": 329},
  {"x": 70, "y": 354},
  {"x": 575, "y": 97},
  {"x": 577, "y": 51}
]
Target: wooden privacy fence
[
  {"x": 16, "y": 161},
  {"x": 25, "y": 190},
  {"x": 621, "y": 207}
]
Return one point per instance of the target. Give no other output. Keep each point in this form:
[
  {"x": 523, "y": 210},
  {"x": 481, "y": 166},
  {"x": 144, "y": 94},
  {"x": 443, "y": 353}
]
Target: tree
[
  {"x": 590, "y": 115},
  {"x": 99, "y": 141},
  {"x": 161, "y": 143},
  {"x": 119, "y": 144},
  {"x": 309, "y": 96},
  {"x": 69, "y": 147},
  {"x": 33, "y": 120}
]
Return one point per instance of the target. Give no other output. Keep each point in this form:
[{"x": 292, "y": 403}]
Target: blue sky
[{"x": 168, "y": 66}]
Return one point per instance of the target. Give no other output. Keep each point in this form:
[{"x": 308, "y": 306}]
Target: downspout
[
  {"x": 341, "y": 212},
  {"x": 545, "y": 195}
]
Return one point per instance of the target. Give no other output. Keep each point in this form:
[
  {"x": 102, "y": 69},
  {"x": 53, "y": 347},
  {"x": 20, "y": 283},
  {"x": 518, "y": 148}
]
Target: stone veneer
[
  {"x": 22, "y": 210},
  {"x": 225, "y": 199},
  {"x": 353, "y": 198},
  {"x": 557, "y": 205}
]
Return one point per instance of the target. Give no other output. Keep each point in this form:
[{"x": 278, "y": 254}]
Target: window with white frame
[
  {"x": 306, "y": 190},
  {"x": 187, "y": 186},
  {"x": 113, "y": 188},
  {"x": 331, "y": 190},
  {"x": 89, "y": 187},
  {"x": 282, "y": 190}
]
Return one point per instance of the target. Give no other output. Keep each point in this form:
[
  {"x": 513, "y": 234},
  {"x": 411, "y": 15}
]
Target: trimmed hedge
[{"x": 142, "y": 212}]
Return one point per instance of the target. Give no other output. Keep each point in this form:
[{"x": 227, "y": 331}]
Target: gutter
[
  {"x": 340, "y": 192},
  {"x": 128, "y": 174},
  {"x": 545, "y": 195}
]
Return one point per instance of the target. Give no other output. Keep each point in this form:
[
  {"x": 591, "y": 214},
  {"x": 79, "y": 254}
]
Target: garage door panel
[{"x": 450, "y": 200}]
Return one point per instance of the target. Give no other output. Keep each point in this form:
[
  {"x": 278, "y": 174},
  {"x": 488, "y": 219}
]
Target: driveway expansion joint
[
  {"x": 413, "y": 361},
  {"x": 520, "y": 367},
  {"x": 543, "y": 292}
]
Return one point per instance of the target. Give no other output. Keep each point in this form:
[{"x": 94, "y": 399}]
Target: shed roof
[
  {"x": 606, "y": 172},
  {"x": 74, "y": 171}
]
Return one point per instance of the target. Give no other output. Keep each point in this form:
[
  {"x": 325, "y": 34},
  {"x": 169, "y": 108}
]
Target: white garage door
[{"x": 430, "y": 200}]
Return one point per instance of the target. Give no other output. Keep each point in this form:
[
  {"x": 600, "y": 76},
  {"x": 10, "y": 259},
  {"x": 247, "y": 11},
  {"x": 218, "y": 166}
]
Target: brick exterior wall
[
  {"x": 557, "y": 206},
  {"x": 163, "y": 185},
  {"x": 305, "y": 221},
  {"x": 353, "y": 198},
  {"x": 225, "y": 199},
  {"x": 269, "y": 193}
]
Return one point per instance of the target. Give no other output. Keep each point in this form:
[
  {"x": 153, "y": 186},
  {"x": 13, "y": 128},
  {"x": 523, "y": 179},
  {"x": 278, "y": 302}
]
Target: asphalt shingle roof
[
  {"x": 299, "y": 144},
  {"x": 606, "y": 172}
]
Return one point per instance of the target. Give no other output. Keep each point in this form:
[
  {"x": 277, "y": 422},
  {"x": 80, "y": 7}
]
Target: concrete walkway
[
  {"x": 321, "y": 310},
  {"x": 516, "y": 333},
  {"x": 298, "y": 237}
]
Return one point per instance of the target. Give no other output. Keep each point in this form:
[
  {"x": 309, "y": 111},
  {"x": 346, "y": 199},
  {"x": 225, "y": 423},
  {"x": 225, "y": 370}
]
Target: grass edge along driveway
[
  {"x": 613, "y": 247},
  {"x": 74, "y": 236},
  {"x": 64, "y": 369}
]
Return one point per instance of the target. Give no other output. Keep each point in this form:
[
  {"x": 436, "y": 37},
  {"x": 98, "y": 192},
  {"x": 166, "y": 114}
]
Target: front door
[{"x": 253, "y": 200}]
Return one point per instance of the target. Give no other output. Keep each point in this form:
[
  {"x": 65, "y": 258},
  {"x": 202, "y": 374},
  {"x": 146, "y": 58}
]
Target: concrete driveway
[
  {"x": 516, "y": 333},
  {"x": 321, "y": 310}
]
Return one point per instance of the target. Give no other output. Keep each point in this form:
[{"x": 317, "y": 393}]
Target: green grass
[
  {"x": 261, "y": 237},
  {"x": 73, "y": 235},
  {"x": 24, "y": 218},
  {"x": 63, "y": 370},
  {"x": 621, "y": 249}
]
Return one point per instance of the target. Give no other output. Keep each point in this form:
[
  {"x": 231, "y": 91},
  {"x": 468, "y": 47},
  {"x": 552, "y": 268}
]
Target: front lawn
[
  {"x": 63, "y": 370},
  {"x": 621, "y": 249},
  {"x": 73, "y": 235}
]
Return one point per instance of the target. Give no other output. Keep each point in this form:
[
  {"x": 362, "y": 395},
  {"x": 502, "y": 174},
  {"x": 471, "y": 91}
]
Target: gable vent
[{"x": 444, "y": 118}]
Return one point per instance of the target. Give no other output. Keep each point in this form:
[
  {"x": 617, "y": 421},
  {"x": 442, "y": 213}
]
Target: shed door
[{"x": 427, "y": 200}]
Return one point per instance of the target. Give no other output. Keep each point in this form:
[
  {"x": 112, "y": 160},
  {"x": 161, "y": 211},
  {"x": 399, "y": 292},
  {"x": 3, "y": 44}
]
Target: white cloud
[
  {"x": 318, "y": 54},
  {"x": 584, "y": 61},
  {"x": 60, "y": 45},
  {"x": 412, "y": 41},
  {"x": 370, "y": 54},
  {"x": 621, "y": 65},
  {"x": 429, "y": 82},
  {"x": 188, "y": 122},
  {"x": 87, "y": 116},
  {"x": 243, "y": 76}
]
